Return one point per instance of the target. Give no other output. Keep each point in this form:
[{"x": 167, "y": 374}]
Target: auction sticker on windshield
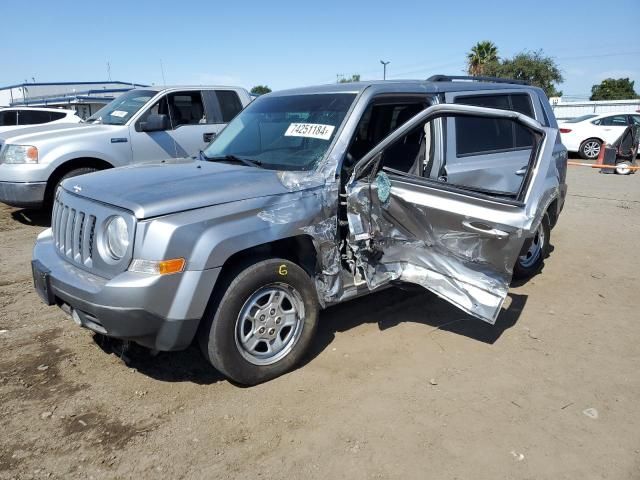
[
  {"x": 119, "y": 113},
  {"x": 310, "y": 130}
]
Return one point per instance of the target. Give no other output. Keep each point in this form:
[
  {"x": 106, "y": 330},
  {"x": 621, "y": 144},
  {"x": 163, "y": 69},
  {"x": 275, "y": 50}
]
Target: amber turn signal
[{"x": 160, "y": 267}]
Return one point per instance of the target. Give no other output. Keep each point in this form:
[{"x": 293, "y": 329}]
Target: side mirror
[{"x": 155, "y": 123}]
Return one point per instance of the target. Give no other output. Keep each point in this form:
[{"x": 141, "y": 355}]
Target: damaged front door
[{"x": 414, "y": 225}]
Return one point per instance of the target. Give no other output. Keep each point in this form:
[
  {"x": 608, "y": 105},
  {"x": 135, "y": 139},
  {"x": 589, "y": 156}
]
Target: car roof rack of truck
[{"x": 451, "y": 78}]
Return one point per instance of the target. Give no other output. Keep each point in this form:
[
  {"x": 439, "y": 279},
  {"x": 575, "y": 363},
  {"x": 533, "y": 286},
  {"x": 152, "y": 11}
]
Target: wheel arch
[
  {"x": 590, "y": 138},
  {"x": 298, "y": 249},
  {"x": 69, "y": 165}
]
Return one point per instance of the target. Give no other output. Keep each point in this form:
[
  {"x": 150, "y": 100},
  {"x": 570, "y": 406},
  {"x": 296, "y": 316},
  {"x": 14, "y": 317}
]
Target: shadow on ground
[
  {"x": 387, "y": 309},
  {"x": 395, "y": 306},
  {"x": 185, "y": 366},
  {"x": 34, "y": 218}
]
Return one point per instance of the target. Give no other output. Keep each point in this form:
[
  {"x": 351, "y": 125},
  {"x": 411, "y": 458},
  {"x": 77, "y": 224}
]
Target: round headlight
[{"x": 117, "y": 237}]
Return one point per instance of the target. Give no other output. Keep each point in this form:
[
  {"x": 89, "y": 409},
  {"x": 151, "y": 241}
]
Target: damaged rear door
[{"x": 416, "y": 226}]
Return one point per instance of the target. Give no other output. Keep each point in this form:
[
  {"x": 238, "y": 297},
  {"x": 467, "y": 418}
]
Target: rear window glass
[
  {"x": 57, "y": 115},
  {"x": 581, "y": 118}
]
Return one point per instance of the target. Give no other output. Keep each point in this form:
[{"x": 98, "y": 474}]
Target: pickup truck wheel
[
  {"x": 530, "y": 261},
  {"x": 72, "y": 173},
  {"x": 263, "y": 324}
]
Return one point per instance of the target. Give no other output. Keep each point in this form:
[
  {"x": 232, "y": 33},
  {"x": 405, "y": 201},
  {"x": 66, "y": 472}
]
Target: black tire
[
  {"x": 72, "y": 173},
  {"x": 219, "y": 338},
  {"x": 588, "y": 148},
  {"x": 529, "y": 264}
]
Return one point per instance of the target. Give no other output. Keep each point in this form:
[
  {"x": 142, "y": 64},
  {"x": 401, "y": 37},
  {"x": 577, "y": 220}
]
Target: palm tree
[{"x": 481, "y": 54}]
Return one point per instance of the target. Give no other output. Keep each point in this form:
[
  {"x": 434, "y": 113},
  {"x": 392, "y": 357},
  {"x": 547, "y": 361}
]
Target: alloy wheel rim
[
  {"x": 592, "y": 149},
  {"x": 535, "y": 249},
  {"x": 269, "y": 324}
]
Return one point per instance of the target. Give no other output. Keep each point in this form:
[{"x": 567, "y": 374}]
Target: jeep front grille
[{"x": 73, "y": 233}]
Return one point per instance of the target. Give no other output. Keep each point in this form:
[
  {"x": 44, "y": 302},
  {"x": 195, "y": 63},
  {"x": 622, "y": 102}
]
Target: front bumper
[
  {"x": 23, "y": 194},
  {"x": 159, "y": 312}
]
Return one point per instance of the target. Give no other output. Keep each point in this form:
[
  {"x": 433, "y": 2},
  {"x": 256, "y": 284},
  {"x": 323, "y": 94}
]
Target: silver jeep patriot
[
  {"x": 141, "y": 125},
  {"x": 308, "y": 198}
]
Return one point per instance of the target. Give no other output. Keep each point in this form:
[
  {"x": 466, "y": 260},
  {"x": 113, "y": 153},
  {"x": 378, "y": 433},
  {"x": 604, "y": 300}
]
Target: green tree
[
  {"x": 532, "y": 67},
  {"x": 481, "y": 54},
  {"x": 260, "y": 90},
  {"x": 614, "y": 89},
  {"x": 354, "y": 78}
]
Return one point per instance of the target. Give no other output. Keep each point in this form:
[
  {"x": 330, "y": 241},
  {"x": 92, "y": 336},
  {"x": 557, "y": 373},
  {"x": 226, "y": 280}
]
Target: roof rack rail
[{"x": 450, "y": 78}]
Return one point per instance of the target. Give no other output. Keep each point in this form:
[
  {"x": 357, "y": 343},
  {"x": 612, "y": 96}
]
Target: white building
[
  {"x": 85, "y": 97},
  {"x": 567, "y": 110}
]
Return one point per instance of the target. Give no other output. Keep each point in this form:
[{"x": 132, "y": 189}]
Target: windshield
[
  {"x": 120, "y": 110},
  {"x": 284, "y": 132},
  {"x": 580, "y": 119}
]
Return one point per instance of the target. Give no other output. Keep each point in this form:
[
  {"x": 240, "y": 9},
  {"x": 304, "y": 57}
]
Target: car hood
[
  {"x": 161, "y": 188},
  {"x": 60, "y": 131}
]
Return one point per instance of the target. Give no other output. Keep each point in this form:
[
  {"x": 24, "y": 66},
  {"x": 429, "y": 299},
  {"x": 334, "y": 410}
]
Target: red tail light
[{"x": 565, "y": 130}]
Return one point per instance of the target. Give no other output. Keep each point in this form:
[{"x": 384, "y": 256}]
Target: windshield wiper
[{"x": 232, "y": 158}]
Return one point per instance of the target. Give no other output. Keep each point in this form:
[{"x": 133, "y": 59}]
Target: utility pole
[{"x": 384, "y": 68}]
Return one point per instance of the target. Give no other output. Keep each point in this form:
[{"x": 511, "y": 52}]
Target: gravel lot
[{"x": 400, "y": 384}]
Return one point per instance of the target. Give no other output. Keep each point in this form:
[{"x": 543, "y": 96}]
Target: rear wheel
[
  {"x": 590, "y": 149},
  {"x": 530, "y": 261},
  {"x": 261, "y": 322}
]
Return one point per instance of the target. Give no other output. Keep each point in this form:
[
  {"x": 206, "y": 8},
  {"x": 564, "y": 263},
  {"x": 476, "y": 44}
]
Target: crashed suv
[{"x": 308, "y": 198}]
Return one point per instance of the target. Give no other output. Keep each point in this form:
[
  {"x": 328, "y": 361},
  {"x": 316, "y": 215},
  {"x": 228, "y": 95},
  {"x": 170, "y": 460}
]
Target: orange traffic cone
[{"x": 600, "y": 159}]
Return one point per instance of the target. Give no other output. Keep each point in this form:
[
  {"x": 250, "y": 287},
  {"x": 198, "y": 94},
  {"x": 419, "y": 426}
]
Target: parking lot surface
[{"x": 399, "y": 385}]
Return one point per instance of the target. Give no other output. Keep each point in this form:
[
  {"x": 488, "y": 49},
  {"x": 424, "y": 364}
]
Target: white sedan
[
  {"x": 13, "y": 118},
  {"x": 586, "y": 134}
]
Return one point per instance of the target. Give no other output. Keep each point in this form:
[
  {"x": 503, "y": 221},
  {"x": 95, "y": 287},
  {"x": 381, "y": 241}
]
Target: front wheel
[
  {"x": 261, "y": 322},
  {"x": 530, "y": 261}
]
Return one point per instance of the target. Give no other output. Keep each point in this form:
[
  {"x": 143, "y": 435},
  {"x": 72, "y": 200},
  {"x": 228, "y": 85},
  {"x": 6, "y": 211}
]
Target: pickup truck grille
[{"x": 73, "y": 233}]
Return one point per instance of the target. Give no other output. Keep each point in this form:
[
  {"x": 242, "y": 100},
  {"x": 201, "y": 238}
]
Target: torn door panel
[{"x": 396, "y": 241}]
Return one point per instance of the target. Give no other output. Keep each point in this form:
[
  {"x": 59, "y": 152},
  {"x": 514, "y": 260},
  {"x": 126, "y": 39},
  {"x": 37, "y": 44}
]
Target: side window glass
[
  {"x": 423, "y": 153},
  {"x": 230, "y": 104},
  {"x": 619, "y": 121},
  {"x": 483, "y": 135},
  {"x": 378, "y": 121},
  {"x": 186, "y": 108},
  {"x": 614, "y": 121},
  {"x": 522, "y": 103},
  {"x": 8, "y": 118},
  {"x": 635, "y": 119},
  {"x": 161, "y": 107},
  {"x": 32, "y": 117},
  {"x": 412, "y": 154}
]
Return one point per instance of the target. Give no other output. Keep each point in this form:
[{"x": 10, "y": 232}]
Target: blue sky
[{"x": 294, "y": 43}]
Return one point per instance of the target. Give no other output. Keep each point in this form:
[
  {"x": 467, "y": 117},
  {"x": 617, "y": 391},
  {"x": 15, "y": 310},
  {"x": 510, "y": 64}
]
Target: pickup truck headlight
[
  {"x": 19, "y": 154},
  {"x": 117, "y": 237}
]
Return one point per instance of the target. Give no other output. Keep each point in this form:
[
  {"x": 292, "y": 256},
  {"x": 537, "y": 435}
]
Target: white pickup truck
[{"x": 145, "y": 124}]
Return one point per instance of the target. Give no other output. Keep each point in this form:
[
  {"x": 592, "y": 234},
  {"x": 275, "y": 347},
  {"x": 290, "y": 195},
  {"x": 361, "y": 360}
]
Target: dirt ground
[{"x": 399, "y": 385}]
